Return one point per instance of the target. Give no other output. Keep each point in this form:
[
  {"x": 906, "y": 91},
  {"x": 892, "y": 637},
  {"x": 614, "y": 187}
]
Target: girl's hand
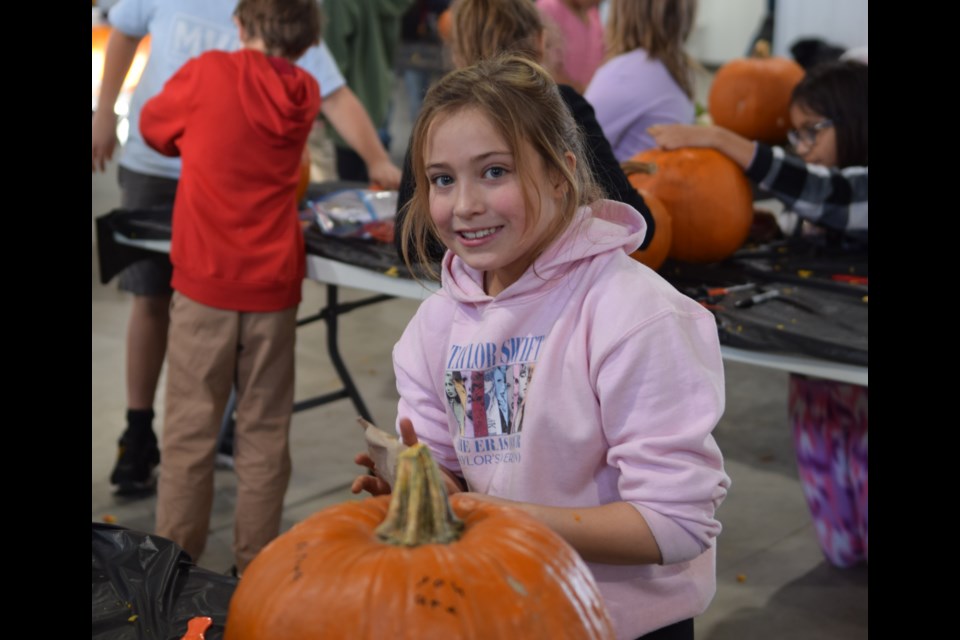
[
  {"x": 104, "y": 138},
  {"x": 384, "y": 174},
  {"x": 678, "y": 136},
  {"x": 370, "y": 483}
]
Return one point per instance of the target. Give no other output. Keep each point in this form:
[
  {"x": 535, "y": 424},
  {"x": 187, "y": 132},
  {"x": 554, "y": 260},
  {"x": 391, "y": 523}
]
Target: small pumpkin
[
  {"x": 415, "y": 566},
  {"x": 445, "y": 25},
  {"x": 658, "y": 249},
  {"x": 709, "y": 198},
  {"x": 751, "y": 96}
]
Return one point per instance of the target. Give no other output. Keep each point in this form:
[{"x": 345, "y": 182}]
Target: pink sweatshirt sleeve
[{"x": 658, "y": 420}]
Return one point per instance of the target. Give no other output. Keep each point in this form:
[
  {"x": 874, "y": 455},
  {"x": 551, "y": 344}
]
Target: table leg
[{"x": 329, "y": 315}]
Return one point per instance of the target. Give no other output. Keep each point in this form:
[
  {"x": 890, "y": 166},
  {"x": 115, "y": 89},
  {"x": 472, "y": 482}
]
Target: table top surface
[{"x": 329, "y": 271}]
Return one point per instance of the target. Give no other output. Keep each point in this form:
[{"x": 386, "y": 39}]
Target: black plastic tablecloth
[{"x": 821, "y": 309}]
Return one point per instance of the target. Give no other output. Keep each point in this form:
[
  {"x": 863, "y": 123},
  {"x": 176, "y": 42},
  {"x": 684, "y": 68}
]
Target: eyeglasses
[{"x": 808, "y": 133}]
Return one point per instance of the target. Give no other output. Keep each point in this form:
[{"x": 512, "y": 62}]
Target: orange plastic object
[{"x": 197, "y": 627}]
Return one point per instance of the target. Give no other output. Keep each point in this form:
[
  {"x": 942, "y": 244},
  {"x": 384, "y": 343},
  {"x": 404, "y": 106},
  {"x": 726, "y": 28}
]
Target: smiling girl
[{"x": 615, "y": 449}]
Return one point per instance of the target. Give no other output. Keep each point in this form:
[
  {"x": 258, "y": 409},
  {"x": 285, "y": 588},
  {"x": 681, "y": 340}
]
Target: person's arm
[
  {"x": 826, "y": 196},
  {"x": 613, "y": 533},
  {"x": 120, "y": 52},
  {"x": 829, "y": 197},
  {"x": 162, "y": 118},
  {"x": 346, "y": 114},
  {"x": 677, "y": 136},
  {"x": 606, "y": 170},
  {"x": 660, "y": 388}
]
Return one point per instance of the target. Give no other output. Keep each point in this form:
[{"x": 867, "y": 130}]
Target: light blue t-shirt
[{"x": 180, "y": 30}]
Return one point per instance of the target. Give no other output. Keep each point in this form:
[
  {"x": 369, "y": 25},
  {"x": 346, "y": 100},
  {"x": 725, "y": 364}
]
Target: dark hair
[
  {"x": 523, "y": 104},
  {"x": 287, "y": 27},
  {"x": 838, "y": 91}
]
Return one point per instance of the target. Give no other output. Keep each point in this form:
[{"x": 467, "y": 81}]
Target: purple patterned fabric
[{"x": 829, "y": 421}]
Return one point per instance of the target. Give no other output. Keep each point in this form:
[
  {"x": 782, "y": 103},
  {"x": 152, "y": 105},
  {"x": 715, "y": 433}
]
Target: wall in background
[
  {"x": 838, "y": 22},
  {"x": 724, "y": 29}
]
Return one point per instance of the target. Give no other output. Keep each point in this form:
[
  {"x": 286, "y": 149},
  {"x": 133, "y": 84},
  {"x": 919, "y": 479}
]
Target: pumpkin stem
[
  {"x": 419, "y": 511},
  {"x": 631, "y": 166}
]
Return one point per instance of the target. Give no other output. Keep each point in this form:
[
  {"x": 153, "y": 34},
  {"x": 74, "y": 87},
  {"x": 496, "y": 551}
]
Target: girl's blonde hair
[
  {"x": 523, "y": 104},
  {"x": 659, "y": 27},
  {"x": 486, "y": 28}
]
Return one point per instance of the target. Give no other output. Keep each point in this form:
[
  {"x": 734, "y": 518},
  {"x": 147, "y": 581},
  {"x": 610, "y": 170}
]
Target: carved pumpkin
[
  {"x": 707, "y": 194},
  {"x": 659, "y": 247},
  {"x": 751, "y": 96},
  {"x": 415, "y": 566}
]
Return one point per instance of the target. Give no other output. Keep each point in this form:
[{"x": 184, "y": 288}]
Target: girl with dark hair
[{"x": 827, "y": 186}]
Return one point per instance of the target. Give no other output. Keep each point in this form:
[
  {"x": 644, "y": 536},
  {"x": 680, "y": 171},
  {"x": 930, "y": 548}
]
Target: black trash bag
[
  {"x": 145, "y": 586},
  {"x": 143, "y": 224}
]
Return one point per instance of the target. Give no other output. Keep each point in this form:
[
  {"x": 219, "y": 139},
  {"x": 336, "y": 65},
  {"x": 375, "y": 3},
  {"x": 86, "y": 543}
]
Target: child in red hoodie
[{"x": 239, "y": 120}]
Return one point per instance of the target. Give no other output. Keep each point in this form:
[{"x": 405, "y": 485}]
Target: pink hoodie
[{"x": 588, "y": 381}]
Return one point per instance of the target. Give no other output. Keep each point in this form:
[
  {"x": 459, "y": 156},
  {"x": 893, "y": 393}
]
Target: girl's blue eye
[
  {"x": 441, "y": 181},
  {"x": 496, "y": 172}
]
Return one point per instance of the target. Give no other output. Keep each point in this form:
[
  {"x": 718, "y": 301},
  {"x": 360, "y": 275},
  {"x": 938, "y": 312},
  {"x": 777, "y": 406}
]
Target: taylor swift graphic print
[{"x": 491, "y": 402}]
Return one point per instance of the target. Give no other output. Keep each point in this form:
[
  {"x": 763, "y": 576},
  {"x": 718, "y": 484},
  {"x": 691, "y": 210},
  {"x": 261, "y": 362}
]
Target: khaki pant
[{"x": 209, "y": 350}]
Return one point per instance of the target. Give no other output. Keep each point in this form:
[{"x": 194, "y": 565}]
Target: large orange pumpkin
[
  {"x": 751, "y": 96},
  {"x": 708, "y": 196},
  {"x": 408, "y": 567},
  {"x": 659, "y": 248}
]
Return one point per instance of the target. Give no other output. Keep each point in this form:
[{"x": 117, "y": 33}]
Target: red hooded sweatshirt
[{"x": 239, "y": 120}]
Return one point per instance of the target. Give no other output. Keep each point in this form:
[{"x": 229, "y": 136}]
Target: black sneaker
[{"x": 137, "y": 457}]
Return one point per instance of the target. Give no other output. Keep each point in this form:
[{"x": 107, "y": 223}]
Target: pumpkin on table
[
  {"x": 751, "y": 96},
  {"x": 709, "y": 199},
  {"x": 659, "y": 248},
  {"x": 445, "y": 25},
  {"x": 414, "y": 565}
]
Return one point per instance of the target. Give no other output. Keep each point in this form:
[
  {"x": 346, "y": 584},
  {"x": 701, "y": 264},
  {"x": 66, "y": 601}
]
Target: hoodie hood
[
  {"x": 606, "y": 226},
  {"x": 279, "y": 99}
]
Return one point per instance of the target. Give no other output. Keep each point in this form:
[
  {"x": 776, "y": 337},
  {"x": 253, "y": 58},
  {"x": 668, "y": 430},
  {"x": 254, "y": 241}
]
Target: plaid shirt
[{"x": 831, "y": 198}]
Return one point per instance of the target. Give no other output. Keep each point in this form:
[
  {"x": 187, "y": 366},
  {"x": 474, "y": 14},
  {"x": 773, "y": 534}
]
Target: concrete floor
[{"x": 773, "y": 581}]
